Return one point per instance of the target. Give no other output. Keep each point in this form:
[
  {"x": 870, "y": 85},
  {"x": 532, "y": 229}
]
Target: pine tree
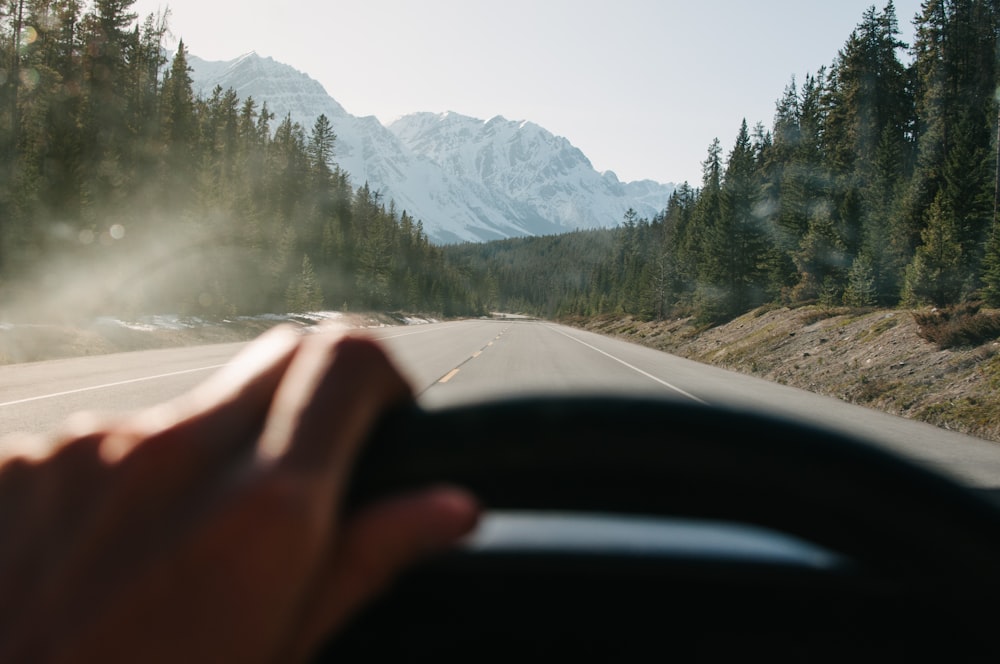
[
  {"x": 991, "y": 269},
  {"x": 13, "y": 81},
  {"x": 304, "y": 294},
  {"x": 862, "y": 287},
  {"x": 708, "y": 207},
  {"x": 937, "y": 273},
  {"x": 106, "y": 145},
  {"x": 179, "y": 125},
  {"x": 735, "y": 245},
  {"x": 955, "y": 74},
  {"x": 681, "y": 264},
  {"x": 320, "y": 147},
  {"x": 868, "y": 106},
  {"x": 883, "y": 253},
  {"x": 821, "y": 260},
  {"x": 374, "y": 260},
  {"x": 797, "y": 179}
]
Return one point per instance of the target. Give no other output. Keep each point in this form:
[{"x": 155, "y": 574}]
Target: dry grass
[{"x": 959, "y": 326}]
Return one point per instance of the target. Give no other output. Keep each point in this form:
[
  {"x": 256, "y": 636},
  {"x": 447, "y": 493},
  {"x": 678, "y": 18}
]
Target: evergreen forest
[
  {"x": 876, "y": 184},
  {"x": 144, "y": 198}
]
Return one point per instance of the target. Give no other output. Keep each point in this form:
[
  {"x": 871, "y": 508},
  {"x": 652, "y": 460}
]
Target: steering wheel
[{"x": 913, "y": 558}]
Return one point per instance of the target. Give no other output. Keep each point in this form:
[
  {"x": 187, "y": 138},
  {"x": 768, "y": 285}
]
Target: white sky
[{"x": 640, "y": 86}]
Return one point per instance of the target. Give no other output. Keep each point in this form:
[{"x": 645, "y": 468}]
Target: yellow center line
[
  {"x": 451, "y": 374},
  {"x": 477, "y": 354}
]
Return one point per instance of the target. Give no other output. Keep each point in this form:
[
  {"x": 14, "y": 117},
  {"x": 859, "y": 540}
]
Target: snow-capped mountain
[
  {"x": 525, "y": 170},
  {"x": 466, "y": 179}
]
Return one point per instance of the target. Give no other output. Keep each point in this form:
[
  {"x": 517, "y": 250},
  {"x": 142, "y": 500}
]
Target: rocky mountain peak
[{"x": 467, "y": 179}]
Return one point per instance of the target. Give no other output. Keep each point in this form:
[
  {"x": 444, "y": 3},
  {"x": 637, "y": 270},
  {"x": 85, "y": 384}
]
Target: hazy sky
[{"x": 641, "y": 86}]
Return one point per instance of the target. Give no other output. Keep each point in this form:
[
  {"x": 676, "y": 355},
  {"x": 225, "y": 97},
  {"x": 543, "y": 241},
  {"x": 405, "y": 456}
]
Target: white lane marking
[
  {"x": 451, "y": 374},
  {"x": 632, "y": 367},
  {"x": 106, "y": 385}
]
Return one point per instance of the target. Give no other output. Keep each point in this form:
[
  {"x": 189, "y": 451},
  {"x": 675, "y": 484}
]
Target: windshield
[{"x": 787, "y": 207}]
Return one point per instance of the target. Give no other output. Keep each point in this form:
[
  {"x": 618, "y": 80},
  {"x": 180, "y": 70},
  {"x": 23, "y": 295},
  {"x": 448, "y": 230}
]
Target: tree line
[
  {"x": 111, "y": 165},
  {"x": 876, "y": 185}
]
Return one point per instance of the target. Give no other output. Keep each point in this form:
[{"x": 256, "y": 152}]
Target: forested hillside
[
  {"x": 152, "y": 200},
  {"x": 876, "y": 184}
]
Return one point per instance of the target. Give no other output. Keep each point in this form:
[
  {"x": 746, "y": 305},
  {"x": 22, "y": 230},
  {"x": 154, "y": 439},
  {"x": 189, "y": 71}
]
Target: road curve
[{"x": 466, "y": 361}]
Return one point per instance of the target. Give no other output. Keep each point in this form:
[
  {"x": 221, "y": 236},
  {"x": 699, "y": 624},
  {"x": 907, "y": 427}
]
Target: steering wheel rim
[
  {"x": 665, "y": 458},
  {"x": 924, "y": 548}
]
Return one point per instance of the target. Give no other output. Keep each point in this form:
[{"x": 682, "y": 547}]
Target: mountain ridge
[{"x": 467, "y": 179}]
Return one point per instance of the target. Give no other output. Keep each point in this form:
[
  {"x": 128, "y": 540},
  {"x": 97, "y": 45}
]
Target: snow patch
[
  {"x": 152, "y": 323},
  {"x": 175, "y": 322}
]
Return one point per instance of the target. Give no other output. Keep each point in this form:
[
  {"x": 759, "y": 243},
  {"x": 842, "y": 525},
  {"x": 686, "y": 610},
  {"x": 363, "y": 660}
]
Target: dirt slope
[{"x": 873, "y": 358}]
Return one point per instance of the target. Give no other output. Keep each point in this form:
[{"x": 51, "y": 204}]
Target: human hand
[{"x": 209, "y": 528}]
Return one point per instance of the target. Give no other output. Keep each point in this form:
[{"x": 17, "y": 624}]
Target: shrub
[{"x": 958, "y": 325}]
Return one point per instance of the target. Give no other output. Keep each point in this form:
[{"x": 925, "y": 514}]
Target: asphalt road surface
[{"x": 460, "y": 362}]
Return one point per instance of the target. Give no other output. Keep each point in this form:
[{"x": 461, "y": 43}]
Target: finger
[
  {"x": 375, "y": 546},
  {"x": 45, "y": 505},
  {"x": 165, "y": 465},
  {"x": 324, "y": 407},
  {"x": 38, "y": 447},
  {"x": 47, "y": 487}
]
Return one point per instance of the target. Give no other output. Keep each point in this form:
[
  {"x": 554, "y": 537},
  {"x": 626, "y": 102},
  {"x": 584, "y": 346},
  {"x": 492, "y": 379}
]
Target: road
[{"x": 460, "y": 362}]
